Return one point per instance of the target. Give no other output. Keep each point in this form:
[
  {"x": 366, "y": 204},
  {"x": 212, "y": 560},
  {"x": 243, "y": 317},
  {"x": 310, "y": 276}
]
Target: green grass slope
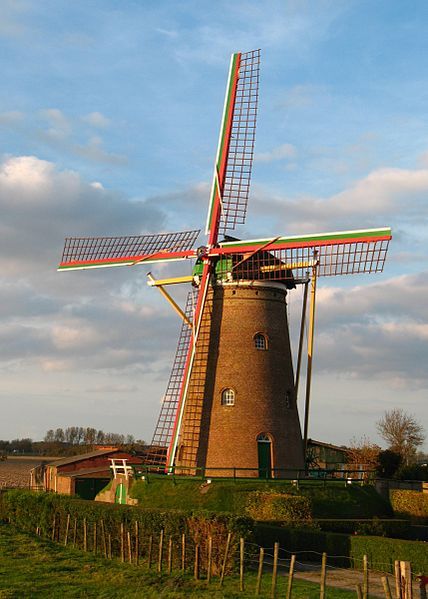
[
  {"x": 31, "y": 567},
  {"x": 334, "y": 501}
]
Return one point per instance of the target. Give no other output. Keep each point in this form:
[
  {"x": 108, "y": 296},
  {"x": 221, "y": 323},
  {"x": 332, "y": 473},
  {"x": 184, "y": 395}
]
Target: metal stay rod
[
  {"x": 301, "y": 337},
  {"x": 175, "y": 306},
  {"x": 310, "y": 356}
]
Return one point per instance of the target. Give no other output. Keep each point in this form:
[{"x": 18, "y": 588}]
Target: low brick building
[{"x": 85, "y": 474}]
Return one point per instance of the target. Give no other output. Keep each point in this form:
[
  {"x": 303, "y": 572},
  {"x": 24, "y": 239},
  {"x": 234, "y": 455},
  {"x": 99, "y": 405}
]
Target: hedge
[
  {"x": 271, "y": 505},
  {"x": 391, "y": 527},
  {"x": 413, "y": 504},
  {"x": 345, "y": 550},
  {"x": 29, "y": 510}
]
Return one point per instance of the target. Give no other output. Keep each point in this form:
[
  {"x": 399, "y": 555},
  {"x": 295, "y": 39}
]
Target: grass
[
  {"x": 34, "y": 567},
  {"x": 333, "y": 501}
]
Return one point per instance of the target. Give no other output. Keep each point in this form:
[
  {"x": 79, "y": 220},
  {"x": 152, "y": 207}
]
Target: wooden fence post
[
  {"x": 241, "y": 563},
  {"x": 128, "y": 536},
  {"x": 137, "y": 543},
  {"x": 85, "y": 535},
  {"x": 406, "y": 580},
  {"x": 170, "y": 555},
  {"x": 260, "y": 571},
  {"x": 226, "y": 555},
  {"x": 386, "y": 588},
  {"x": 150, "y": 551},
  {"x": 275, "y": 569},
  {"x": 53, "y": 527},
  {"x": 109, "y": 546},
  {"x": 359, "y": 591},
  {"x": 196, "y": 567},
  {"x": 290, "y": 576},
  {"x": 323, "y": 575},
  {"x": 95, "y": 539},
  {"x": 365, "y": 577},
  {"x": 67, "y": 527},
  {"x": 75, "y": 531},
  {"x": 122, "y": 542},
  {"x": 160, "y": 551},
  {"x": 209, "y": 558},
  {"x": 103, "y": 538},
  {"x": 397, "y": 574},
  {"x": 183, "y": 552}
]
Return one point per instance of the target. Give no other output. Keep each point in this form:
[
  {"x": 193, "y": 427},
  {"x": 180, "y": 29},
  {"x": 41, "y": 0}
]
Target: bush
[
  {"x": 374, "y": 526},
  {"x": 271, "y": 505},
  {"x": 382, "y": 553},
  {"x": 345, "y": 550},
  {"x": 389, "y": 462},
  {"x": 414, "y": 472},
  {"x": 29, "y": 510},
  {"x": 413, "y": 504}
]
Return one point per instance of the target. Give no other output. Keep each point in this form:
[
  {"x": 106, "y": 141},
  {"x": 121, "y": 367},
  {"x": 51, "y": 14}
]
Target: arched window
[
  {"x": 263, "y": 438},
  {"x": 228, "y": 397},
  {"x": 260, "y": 341}
]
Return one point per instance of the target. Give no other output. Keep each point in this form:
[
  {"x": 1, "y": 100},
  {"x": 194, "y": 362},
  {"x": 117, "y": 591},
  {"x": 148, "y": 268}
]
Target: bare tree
[{"x": 403, "y": 433}]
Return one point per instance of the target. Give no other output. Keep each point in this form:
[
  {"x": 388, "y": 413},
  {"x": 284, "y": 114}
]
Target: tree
[
  {"x": 402, "y": 432},
  {"x": 362, "y": 453},
  {"x": 389, "y": 462}
]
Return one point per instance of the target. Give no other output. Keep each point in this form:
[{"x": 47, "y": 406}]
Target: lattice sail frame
[
  {"x": 239, "y": 163},
  {"x": 97, "y": 252},
  {"x": 166, "y": 421}
]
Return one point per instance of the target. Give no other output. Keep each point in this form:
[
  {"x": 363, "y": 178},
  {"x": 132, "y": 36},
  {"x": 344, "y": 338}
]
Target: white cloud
[
  {"x": 12, "y": 117},
  {"x": 96, "y": 119},
  {"x": 95, "y": 151},
  {"x": 283, "y": 152},
  {"x": 60, "y": 126}
]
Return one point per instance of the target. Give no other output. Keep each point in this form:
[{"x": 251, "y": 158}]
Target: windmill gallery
[{"x": 230, "y": 403}]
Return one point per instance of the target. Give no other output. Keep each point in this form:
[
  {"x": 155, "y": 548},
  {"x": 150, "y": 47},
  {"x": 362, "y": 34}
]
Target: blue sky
[{"x": 109, "y": 117}]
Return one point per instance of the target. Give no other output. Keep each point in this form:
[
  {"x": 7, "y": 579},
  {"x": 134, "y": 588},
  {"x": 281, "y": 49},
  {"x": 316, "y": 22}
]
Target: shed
[{"x": 85, "y": 474}]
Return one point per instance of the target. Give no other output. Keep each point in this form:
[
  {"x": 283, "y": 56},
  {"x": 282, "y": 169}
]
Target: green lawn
[
  {"x": 334, "y": 500},
  {"x": 33, "y": 567}
]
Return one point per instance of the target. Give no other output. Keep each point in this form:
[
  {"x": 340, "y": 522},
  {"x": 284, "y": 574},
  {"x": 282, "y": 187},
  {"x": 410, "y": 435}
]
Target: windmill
[{"x": 230, "y": 403}]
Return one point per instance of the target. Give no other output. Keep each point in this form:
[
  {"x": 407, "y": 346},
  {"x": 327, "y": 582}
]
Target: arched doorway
[{"x": 264, "y": 452}]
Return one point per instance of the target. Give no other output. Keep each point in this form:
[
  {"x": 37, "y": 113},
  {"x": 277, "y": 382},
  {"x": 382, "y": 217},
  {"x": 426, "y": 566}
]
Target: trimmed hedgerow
[
  {"x": 382, "y": 552},
  {"x": 271, "y": 505},
  {"x": 373, "y": 526},
  {"x": 413, "y": 504},
  {"x": 29, "y": 511},
  {"x": 345, "y": 550}
]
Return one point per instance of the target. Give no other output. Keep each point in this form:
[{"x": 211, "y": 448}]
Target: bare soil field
[{"x": 15, "y": 471}]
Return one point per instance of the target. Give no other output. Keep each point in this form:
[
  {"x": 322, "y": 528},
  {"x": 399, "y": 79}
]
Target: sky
[{"x": 109, "y": 119}]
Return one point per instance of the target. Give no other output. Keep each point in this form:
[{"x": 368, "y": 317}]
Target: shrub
[
  {"x": 345, "y": 550},
  {"x": 29, "y": 510},
  {"x": 271, "y": 505},
  {"x": 382, "y": 553},
  {"x": 375, "y": 526},
  {"x": 413, "y": 504}
]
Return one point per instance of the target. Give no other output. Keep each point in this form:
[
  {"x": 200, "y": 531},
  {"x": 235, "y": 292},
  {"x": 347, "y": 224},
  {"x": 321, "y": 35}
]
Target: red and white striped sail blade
[
  {"x": 190, "y": 358},
  {"x": 233, "y": 165},
  {"x": 100, "y": 252},
  {"x": 337, "y": 253},
  {"x": 165, "y": 424}
]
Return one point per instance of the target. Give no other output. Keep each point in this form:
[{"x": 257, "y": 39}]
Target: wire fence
[{"x": 215, "y": 558}]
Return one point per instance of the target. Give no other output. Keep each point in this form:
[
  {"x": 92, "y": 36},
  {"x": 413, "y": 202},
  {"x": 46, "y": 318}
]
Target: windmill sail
[
  {"x": 337, "y": 253},
  {"x": 232, "y": 170},
  {"x": 241, "y": 147},
  {"x": 100, "y": 252},
  {"x": 165, "y": 424}
]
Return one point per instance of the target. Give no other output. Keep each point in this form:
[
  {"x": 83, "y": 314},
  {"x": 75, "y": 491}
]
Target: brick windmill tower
[{"x": 230, "y": 404}]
